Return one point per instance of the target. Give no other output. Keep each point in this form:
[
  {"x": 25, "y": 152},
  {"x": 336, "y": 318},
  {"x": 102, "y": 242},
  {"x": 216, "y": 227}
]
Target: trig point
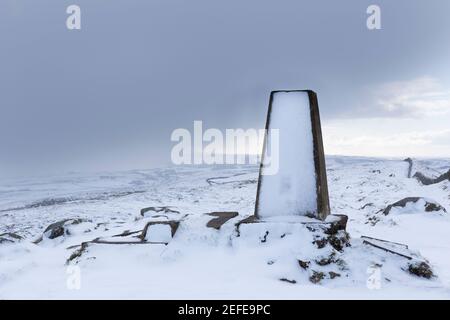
[{"x": 299, "y": 188}]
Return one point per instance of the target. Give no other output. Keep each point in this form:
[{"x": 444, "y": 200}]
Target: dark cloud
[{"x": 109, "y": 96}]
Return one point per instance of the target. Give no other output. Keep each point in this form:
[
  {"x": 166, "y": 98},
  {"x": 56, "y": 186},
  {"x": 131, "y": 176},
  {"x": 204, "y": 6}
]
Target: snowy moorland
[{"x": 271, "y": 260}]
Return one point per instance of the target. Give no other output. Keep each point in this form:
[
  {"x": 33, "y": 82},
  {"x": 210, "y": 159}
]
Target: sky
[{"x": 108, "y": 96}]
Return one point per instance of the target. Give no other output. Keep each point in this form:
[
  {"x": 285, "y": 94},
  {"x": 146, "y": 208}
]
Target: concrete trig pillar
[{"x": 299, "y": 187}]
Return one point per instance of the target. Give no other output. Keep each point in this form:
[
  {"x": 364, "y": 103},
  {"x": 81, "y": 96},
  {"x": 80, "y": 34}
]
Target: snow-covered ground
[{"x": 201, "y": 262}]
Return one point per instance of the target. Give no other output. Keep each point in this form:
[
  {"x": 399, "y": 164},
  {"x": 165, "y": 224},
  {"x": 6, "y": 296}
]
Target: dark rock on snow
[
  {"x": 159, "y": 210},
  {"x": 316, "y": 277},
  {"x": 430, "y": 205},
  {"x": 9, "y": 237},
  {"x": 421, "y": 269}
]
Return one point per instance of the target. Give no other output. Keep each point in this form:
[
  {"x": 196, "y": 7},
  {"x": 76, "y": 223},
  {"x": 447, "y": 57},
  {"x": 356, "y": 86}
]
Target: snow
[
  {"x": 413, "y": 207},
  {"x": 292, "y": 190},
  {"x": 159, "y": 233},
  {"x": 204, "y": 263}
]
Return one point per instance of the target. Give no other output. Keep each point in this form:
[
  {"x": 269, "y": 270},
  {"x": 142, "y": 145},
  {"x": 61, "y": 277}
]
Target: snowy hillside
[{"x": 202, "y": 262}]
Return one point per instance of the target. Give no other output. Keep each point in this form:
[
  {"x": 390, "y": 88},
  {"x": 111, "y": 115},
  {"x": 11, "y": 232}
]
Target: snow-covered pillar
[{"x": 299, "y": 186}]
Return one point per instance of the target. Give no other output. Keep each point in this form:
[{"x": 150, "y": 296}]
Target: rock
[
  {"x": 9, "y": 237},
  {"x": 321, "y": 242},
  {"x": 288, "y": 280},
  {"x": 316, "y": 277},
  {"x": 336, "y": 223},
  {"x": 264, "y": 238},
  {"x": 165, "y": 209},
  {"x": 55, "y": 230},
  {"x": 324, "y": 261},
  {"x": 429, "y": 205},
  {"x": 304, "y": 264},
  {"x": 420, "y": 269},
  {"x": 338, "y": 241},
  {"x": 427, "y": 181},
  {"x": 333, "y": 274},
  {"x": 59, "y": 229},
  {"x": 410, "y": 165},
  {"x": 370, "y": 204},
  {"x": 78, "y": 253},
  {"x": 126, "y": 233},
  {"x": 220, "y": 219}
]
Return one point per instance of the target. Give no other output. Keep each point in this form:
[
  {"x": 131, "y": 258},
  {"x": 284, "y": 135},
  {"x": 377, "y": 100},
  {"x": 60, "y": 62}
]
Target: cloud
[
  {"x": 420, "y": 97},
  {"x": 395, "y": 140},
  {"x": 415, "y": 143}
]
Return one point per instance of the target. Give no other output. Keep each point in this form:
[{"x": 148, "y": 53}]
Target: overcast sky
[{"x": 108, "y": 96}]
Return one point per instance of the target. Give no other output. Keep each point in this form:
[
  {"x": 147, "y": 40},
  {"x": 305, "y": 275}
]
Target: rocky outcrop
[
  {"x": 9, "y": 237},
  {"x": 58, "y": 229},
  {"x": 158, "y": 210},
  {"x": 220, "y": 219},
  {"x": 429, "y": 205},
  {"x": 427, "y": 180},
  {"x": 421, "y": 269},
  {"x": 410, "y": 165},
  {"x": 419, "y": 176}
]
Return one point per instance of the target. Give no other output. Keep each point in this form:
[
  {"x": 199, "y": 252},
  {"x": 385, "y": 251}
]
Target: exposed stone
[
  {"x": 420, "y": 269},
  {"x": 333, "y": 274},
  {"x": 337, "y": 222},
  {"x": 430, "y": 206},
  {"x": 427, "y": 181},
  {"x": 9, "y": 237},
  {"x": 320, "y": 243},
  {"x": 316, "y": 277},
  {"x": 288, "y": 280},
  {"x": 339, "y": 241},
  {"x": 78, "y": 253},
  {"x": 264, "y": 239},
  {"x": 58, "y": 229},
  {"x": 220, "y": 219},
  {"x": 410, "y": 164},
  {"x": 370, "y": 204},
  {"x": 304, "y": 264},
  {"x": 342, "y": 264},
  {"x": 158, "y": 210},
  {"x": 373, "y": 220},
  {"x": 324, "y": 261},
  {"x": 127, "y": 233},
  {"x": 55, "y": 231}
]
